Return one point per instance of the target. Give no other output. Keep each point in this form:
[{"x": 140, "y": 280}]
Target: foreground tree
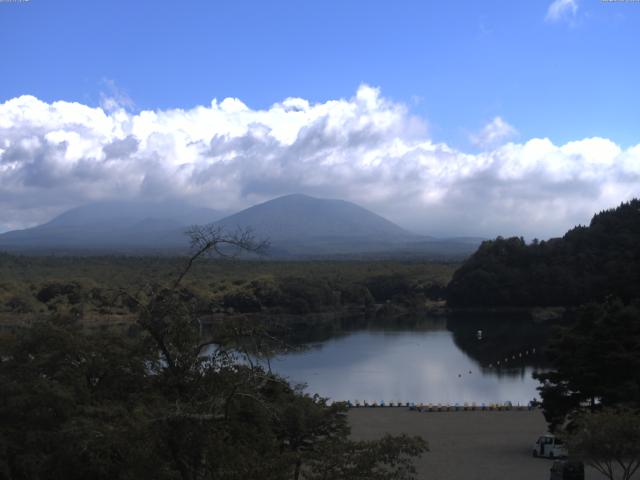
[
  {"x": 78, "y": 406},
  {"x": 596, "y": 363},
  {"x": 609, "y": 441}
]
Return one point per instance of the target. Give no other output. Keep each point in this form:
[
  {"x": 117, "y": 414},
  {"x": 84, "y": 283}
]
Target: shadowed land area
[{"x": 465, "y": 445}]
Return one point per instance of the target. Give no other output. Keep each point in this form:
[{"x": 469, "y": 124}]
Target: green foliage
[
  {"x": 596, "y": 362},
  {"x": 88, "y": 406},
  {"x": 242, "y": 300},
  {"x": 88, "y": 286},
  {"x": 77, "y": 405},
  {"x": 302, "y": 295},
  {"x": 355, "y": 294},
  {"x": 51, "y": 291},
  {"x": 587, "y": 264},
  {"x": 387, "y": 287},
  {"x": 71, "y": 405},
  {"x": 609, "y": 441},
  {"x": 21, "y": 303}
]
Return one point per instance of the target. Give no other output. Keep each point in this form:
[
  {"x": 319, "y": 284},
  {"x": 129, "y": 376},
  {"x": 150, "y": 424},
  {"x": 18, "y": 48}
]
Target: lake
[{"x": 433, "y": 362}]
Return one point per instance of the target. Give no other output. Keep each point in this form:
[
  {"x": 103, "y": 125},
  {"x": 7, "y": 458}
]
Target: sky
[{"x": 450, "y": 118}]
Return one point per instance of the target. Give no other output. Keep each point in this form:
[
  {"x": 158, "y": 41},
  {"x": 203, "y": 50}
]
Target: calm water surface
[{"x": 409, "y": 366}]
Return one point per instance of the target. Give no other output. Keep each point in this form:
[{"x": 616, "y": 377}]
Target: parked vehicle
[
  {"x": 567, "y": 470},
  {"x": 549, "y": 446}
]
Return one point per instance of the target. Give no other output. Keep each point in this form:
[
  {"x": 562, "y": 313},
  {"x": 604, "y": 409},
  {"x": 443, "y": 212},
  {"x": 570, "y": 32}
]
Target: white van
[{"x": 549, "y": 446}]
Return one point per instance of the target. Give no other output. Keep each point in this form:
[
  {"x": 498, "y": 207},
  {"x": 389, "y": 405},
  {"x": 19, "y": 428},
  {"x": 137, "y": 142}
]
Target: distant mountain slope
[
  {"x": 298, "y": 226},
  {"x": 586, "y": 264},
  {"x": 301, "y": 218},
  {"x": 127, "y": 213},
  {"x": 116, "y": 225}
]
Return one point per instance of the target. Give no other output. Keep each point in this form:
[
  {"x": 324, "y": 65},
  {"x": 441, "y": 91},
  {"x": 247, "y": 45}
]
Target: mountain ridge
[
  {"x": 299, "y": 216},
  {"x": 297, "y": 225},
  {"x": 111, "y": 225}
]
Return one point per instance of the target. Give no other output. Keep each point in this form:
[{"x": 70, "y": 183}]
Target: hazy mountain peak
[
  {"x": 113, "y": 226},
  {"x": 292, "y": 218},
  {"x": 296, "y": 224},
  {"x": 123, "y": 212}
]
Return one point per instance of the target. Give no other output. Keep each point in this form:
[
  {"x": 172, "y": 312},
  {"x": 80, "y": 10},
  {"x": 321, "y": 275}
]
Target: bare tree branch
[{"x": 207, "y": 238}]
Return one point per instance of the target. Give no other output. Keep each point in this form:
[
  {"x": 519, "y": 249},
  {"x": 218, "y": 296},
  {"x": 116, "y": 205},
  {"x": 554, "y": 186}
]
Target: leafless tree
[
  {"x": 214, "y": 239},
  {"x": 163, "y": 314}
]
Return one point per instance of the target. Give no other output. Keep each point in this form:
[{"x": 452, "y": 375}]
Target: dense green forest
[
  {"x": 588, "y": 263},
  {"x": 88, "y": 287}
]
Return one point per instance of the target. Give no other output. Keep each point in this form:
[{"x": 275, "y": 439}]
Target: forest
[
  {"x": 88, "y": 287},
  {"x": 589, "y": 263}
]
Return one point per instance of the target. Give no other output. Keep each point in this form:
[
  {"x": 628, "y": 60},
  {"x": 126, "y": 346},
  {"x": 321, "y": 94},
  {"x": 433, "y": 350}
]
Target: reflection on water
[
  {"x": 508, "y": 342},
  {"x": 424, "y": 363}
]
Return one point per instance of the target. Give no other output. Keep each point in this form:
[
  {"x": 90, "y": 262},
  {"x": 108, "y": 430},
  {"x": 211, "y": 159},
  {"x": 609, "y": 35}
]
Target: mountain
[
  {"x": 114, "y": 226},
  {"x": 301, "y": 218},
  {"x": 302, "y": 226},
  {"x": 298, "y": 226}
]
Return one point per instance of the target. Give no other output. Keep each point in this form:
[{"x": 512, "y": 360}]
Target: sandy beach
[{"x": 467, "y": 445}]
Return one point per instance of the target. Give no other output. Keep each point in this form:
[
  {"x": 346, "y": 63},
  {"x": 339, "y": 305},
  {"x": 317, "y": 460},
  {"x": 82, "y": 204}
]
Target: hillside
[
  {"x": 111, "y": 226},
  {"x": 297, "y": 217},
  {"x": 298, "y": 226},
  {"x": 586, "y": 264},
  {"x": 306, "y": 227}
]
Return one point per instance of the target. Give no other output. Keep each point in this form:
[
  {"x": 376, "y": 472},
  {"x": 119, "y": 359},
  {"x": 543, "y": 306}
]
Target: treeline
[
  {"x": 91, "y": 287},
  {"x": 306, "y": 295},
  {"x": 586, "y": 264}
]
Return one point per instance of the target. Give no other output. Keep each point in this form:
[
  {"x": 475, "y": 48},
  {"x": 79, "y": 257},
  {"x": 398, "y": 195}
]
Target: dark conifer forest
[{"x": 589, "y": 263}]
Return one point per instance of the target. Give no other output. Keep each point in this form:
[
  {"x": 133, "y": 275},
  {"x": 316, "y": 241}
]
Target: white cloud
[
  {"x": 493, "y": 133},
  {"x": 366, "y": 149},
  {"x": 562, "y": 10}
]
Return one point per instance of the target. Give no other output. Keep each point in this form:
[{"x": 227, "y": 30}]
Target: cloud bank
[{"x": 366, "y": 149}]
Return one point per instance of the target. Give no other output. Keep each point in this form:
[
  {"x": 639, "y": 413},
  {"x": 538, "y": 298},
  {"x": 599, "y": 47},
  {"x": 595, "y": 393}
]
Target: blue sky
[
  {"x": 457, "y": 63},
  {"x": 448, "y": 117}
]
